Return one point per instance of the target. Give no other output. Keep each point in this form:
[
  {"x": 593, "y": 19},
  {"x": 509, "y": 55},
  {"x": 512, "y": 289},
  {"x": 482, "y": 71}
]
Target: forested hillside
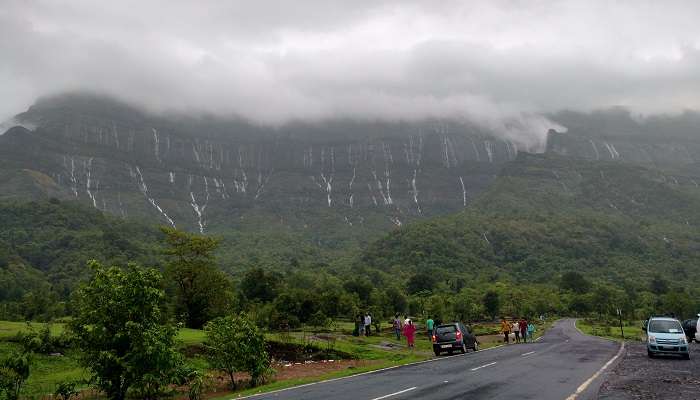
[{"x": 45, "y": 246}]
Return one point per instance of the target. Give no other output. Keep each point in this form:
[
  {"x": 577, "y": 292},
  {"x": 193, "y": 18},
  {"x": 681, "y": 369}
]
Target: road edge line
[
  {"x": 363, "y": 373},
  {"x": 582, "y": 388}
]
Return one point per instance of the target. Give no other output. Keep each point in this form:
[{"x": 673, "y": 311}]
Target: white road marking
[
  {"x": 585, "y": 384},
  {"x": 394, "y": 394},
  {"x": 484, "y": 366},
  {"x": 527, "y": 354}
]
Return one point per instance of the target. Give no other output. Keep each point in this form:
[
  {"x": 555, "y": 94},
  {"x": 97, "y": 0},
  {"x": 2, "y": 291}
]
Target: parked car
[
  {"x": 690, "y": 327},
  {"x": 453, "y": 336},
  {"x": 697, "y": 330},
  {"x": 666, "y": 336}
]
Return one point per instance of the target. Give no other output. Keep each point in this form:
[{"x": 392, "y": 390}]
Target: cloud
[{"x": 499, "y": 63}]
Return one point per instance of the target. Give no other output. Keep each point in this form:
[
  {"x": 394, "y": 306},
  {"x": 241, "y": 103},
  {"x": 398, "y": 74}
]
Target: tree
[
  {"x": 117, "y": 326},
  {"x": 422, "y": 281},
  {"x": 14, "y": 370},
  {"x": 575, "y": 282},
  {"x": 234, "y": 344},
  {"x": 202, "y": 291},
  {"x": 260, "y": 285},
  {"x": 492, "y": 303},
  {"x": 658, "y": 285}
]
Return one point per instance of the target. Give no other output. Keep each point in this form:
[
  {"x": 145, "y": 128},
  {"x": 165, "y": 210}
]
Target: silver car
[{"x": 666, "y": 336}]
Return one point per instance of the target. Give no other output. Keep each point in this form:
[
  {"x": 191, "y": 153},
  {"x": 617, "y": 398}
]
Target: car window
[
  {"x": 663, "y": 326},
  {"x": 446, "y": 329}
]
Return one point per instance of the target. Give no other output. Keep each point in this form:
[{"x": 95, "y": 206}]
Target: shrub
[
  {"x": 118, "y": 328},
  {"x": 235, "y": 344},
  {"x": 14, "y": 370},
  {"x": 66, "y": 390}
]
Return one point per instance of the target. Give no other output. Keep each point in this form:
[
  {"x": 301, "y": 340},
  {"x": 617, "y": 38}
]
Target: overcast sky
[{"x": 272, "y": 61}]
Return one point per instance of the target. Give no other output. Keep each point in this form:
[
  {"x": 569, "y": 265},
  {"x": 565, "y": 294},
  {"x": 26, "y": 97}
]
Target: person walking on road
[
  {"x": 505, "y": 330},
  {"x": 368, "y": 324},
  {"x": 397, "y": 325},
  {"x": 523, "y": 329},
  {"x": 530, "y": 330},
  {"x": 516, "y": 330},
  {"x": 409, "y": 330},
  {"x": 429, "y": 326}
]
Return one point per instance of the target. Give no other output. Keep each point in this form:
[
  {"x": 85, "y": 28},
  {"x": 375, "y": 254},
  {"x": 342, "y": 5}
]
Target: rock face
[{"x": 207, "y": 174}]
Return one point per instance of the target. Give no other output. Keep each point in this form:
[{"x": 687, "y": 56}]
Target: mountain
[
  {"x": 547, "y": 214},
  {"x": 328, "y": 186}
]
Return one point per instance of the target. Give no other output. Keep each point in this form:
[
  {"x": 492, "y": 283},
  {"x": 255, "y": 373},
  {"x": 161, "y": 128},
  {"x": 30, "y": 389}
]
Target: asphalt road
[{"x": 552, "y": 368}]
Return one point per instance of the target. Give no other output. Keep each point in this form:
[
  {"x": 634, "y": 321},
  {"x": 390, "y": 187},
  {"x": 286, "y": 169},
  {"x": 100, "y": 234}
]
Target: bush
[
  {"x": 235, "y": 344},
  {"x": 14, "y": 370},
  {"x": 66, "y": 390},
  {"x": 41, "y": 341},
  {"x": 118, "y": 329}
]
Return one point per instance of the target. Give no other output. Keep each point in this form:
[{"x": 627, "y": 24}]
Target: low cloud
[{"x": 502, "y": 64}]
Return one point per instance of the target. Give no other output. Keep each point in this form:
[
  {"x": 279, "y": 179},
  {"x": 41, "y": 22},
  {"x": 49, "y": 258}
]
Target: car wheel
[
  {"x": 476, "y": 346},
  {"x": 686, "y": 356},
  {"x": 650, "y": 354},
  {"x": 437, "y": 353}
]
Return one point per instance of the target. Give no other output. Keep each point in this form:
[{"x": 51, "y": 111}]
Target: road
[{"x": 552, "y": 368}]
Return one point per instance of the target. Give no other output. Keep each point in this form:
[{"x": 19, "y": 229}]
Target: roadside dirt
[{"x": 639, "y": 377}]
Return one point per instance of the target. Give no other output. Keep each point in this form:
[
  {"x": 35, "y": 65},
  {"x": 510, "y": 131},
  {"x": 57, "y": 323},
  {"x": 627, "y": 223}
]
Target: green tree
[
  {"x": 658, "y": 285},
  {"x": 234, "y": 344},
  {"x": 14, "y": 371},
  {"x": 260, "y": 285},
  {"x": 575, "y": 282},
  {"x": 492, "y": 303},
  {"x": 118, "y": 328},
  {"x": 202, "y": 291}
]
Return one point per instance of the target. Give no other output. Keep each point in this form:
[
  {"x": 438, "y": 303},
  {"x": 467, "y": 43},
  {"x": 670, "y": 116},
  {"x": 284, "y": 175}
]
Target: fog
[{"x": 503, "y": 64}]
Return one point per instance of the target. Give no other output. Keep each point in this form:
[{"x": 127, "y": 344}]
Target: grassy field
[{"x": 633, "y": 330}]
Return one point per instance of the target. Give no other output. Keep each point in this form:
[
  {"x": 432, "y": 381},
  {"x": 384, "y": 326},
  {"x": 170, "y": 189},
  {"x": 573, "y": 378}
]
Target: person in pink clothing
[{"x": 409, "y": 330}]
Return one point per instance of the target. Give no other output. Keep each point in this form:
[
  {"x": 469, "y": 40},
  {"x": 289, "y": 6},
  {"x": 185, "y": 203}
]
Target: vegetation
[
  {"x": 119, "y": 329},
  {"x": 234, "y": 344}
]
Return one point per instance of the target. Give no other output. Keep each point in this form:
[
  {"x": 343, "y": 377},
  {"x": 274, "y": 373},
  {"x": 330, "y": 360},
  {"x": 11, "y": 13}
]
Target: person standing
[
  {"x": 516, "y": 330},
  {"x": 398, "y": 326},
  {"x": 409, "y": 330},
  {"x": 429, "y": 324},
  {"x": 505, "y": 330},
  {"x": 360, "y": 325},
  {"x": 368, "y": 324},
  {"x": 523, "y": 329},
  {"x": 530, "y": 329}
]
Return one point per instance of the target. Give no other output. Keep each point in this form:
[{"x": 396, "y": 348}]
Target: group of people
[
  {"x": 521, "y": 328},
  {"x": 363, "y": 325},
  {"x": 405, "y": 326}
]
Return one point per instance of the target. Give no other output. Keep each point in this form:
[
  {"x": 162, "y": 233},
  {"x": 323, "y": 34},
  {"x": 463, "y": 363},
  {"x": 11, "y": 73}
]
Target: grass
[
  {"x": 10, "y": 329},
  {"x": 47, "y": 371},
  {"x": 608, "y": 330}
]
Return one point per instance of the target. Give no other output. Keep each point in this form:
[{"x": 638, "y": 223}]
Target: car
[
  {"x": 690, "y": 327},
  {"x": 697, "y": 330},
  {"x": 453, "y": 336},
  {"x": 666, "y": 336}
]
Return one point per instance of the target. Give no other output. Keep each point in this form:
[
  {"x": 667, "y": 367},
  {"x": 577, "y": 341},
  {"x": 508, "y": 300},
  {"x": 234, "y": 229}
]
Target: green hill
[{"x": 546, "y": 215}]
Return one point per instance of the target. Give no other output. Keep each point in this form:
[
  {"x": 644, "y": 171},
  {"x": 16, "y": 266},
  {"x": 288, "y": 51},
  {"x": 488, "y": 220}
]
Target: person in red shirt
[
  {"x": 523, "y": 329},
  {"x": 409, "y": 330}
]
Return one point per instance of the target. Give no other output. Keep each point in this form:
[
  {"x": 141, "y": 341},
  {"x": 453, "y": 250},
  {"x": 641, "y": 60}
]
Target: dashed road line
[
  {"x": 527, "y": 354},
  {"x": 484, "y": 366},
  {"x": 396, "y": 394}
]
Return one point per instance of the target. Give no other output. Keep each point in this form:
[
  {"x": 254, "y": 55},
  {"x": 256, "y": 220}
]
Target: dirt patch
[{"x": 639, "y": 377}]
